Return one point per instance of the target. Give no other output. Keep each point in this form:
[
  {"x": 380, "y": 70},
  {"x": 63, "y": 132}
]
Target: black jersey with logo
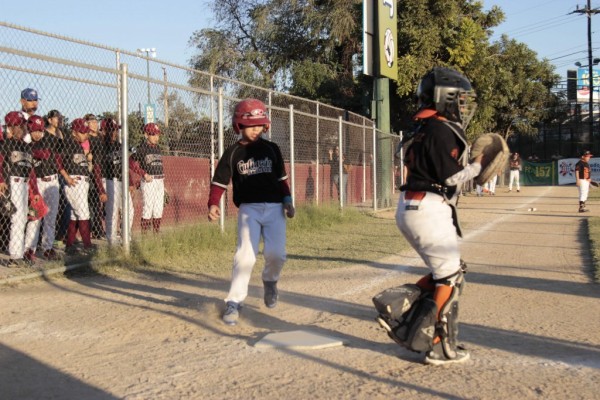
[
  {"x": 149, "y": 157},
  {"x": 112, "y": 161},
  {"x": 18, "y": 160},
  {"x": 44, "y": 155},
  {"x": 582, "y": 169},
  {"x": 433, "y": 156},
  {"x": 256, "y": 171},
  {"x": 74, "y": 158},
  {"x": 99, "y": 148}
]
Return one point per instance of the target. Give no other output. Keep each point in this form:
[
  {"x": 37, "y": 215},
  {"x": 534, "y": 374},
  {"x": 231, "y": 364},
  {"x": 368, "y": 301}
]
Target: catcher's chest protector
[{"x": 408, "y": 315}]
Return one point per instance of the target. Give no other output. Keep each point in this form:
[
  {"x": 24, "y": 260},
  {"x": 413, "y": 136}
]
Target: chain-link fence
[{"x": 332, "y": 156}]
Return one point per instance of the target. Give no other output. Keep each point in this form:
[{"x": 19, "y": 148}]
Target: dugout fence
[{"x": 193, "y": 109}]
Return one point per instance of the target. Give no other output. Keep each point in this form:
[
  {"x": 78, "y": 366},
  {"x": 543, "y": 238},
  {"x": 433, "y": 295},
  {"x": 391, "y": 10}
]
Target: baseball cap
[
  {"x": 109, "y": 125},
  {"x": 14, "y": 118},
  {"x": 80, "y": 125},
  {"x": 587, "y": 153},
  {"x": 53, "y": 113},
  {"x": 90, "y": 117},
  {"x": 151, "y": 129},
  {"x": 30, "y": 95},
  {"x": 35, "y": 123}
]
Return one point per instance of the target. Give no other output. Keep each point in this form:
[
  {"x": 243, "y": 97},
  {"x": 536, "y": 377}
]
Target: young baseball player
[
  {"x": 256, "y": 168},
  {"x": 97, "y": 145},
  {"x": 515, "y": 171},
  {"x": 76, "y": 159},
  {"x": 583, "y": 177},
  {"x": 17, "y": 169},
  {"x": 146, "y": 161},
  {"x": 426, "y": 211},
  {"x": 47, "y": 163},
  {"x": 113, "y": 172}
]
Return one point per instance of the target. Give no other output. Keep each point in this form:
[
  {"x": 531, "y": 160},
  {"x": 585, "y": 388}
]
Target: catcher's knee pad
[{"x": 408, "y": 315}]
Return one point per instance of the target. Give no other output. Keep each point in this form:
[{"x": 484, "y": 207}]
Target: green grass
[
  {"x": 594, "y": 236},
  {"x": 317, "y": 238}
]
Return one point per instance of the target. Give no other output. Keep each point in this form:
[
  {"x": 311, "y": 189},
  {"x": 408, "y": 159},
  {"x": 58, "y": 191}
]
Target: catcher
[{"x": 436, "y": 161}]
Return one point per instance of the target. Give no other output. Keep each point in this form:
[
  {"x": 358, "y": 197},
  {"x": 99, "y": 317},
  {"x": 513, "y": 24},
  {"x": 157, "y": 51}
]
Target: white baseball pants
[
  {"x": 19, "y": 197},
  {"x": 427, "y": 225},
  {"x": 584, "y": 189},
  {"x": 153, "y": 196},
  {"x": 254, "y": 220},
  {"x": 492, "y": 184},
  {"x": 114, "y": 192},
  {"x": 514, "y": 177},
  {"x": 49, "y": 189},
  {"x": 77, "y": 196}
]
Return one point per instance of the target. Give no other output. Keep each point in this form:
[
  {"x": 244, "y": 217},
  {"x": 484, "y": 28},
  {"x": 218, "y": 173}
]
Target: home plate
[{"x": 299, "y": 340}]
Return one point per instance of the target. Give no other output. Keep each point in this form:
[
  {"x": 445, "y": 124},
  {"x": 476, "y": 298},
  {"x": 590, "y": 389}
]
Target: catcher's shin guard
[{"x": 447, "y": 324}]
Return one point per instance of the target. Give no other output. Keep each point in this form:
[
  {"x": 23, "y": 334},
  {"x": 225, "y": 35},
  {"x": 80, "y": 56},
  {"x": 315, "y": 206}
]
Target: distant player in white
[
  {"x": 47, "y": 163},
  {"x": 256, "y": 168},
  {"x": 146, "y": 161},
  {"x": 17, "y": 168}
]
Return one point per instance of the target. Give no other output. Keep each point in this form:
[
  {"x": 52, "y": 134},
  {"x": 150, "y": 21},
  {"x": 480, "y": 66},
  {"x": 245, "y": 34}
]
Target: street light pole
[
  {"x": 149, "y": 52},
  {"x": 589, "y": 11}
]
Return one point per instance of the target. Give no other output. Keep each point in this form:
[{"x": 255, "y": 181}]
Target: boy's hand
[
  {"x": 103, "y": 198},
  {"x": 290, "y": 211},
  {"x": 214, "y": 212}
]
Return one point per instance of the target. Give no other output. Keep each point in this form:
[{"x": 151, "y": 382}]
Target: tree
[{"x": 306, "y": 47}]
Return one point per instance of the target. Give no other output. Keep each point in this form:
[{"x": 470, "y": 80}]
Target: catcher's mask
[{"x": 449, "y": 93}]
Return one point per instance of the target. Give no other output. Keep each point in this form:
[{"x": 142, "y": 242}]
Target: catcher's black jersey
[
  {"x": 256, "y": 171},
  {"x": 18, "y": 160},
  {"x": 149, "y": 157},
  {"x": 44, "y": 155},
  {"x": 433, "y": 156}
]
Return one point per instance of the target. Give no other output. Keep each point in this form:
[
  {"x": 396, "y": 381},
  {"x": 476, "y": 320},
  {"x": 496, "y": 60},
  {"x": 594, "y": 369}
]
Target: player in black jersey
[
  {"x": 436, "y": 161},
  {"x": 256, "y": 168}
]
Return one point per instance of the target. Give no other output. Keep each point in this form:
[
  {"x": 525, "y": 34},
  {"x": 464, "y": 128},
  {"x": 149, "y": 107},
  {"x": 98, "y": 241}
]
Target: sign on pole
[
  {"x": 387, "y": 28},
  {"x": 149, "y": 113}
]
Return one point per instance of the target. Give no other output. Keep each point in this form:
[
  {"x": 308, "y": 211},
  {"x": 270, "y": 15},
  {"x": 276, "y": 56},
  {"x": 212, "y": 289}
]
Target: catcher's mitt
[
  {"x": 594, "y": 183},
  {"x": 7, "y": 208},
  {"x": 37, "y": 209},
  {"x": 495, "y": 154}
]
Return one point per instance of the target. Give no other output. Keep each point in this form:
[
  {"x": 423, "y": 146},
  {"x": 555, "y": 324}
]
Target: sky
[{"x": 546, "y": 26}]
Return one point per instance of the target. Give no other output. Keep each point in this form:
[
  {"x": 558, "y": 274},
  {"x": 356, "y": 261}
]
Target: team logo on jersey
[
  {"x": 21, "y": 159},
  {"x": 254, "y": 167},
  {"x": 152, "y": 159},
  {"x": 116, "y": 157},
  {"x": 80, "y": 160}
]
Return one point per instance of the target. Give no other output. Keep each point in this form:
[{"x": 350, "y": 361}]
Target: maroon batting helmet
[
  {"x": 14, "y": 118},
  {"x": 250, "y": 112},
  {"x": 80, "y": 125},
  {"x": 151, "y": 129},
  {"x": 109, "y": 125},
  {"x": 35, "y": 123}
]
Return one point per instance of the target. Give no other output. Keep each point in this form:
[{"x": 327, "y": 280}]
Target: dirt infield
[{"x": 530, "y": 316}]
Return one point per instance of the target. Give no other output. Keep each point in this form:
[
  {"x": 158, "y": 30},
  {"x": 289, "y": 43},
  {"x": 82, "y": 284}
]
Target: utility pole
[{"x": 589, "y": 11}]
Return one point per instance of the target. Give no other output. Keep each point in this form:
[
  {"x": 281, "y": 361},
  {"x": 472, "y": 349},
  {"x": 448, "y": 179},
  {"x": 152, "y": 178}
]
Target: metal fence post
[
  {"x": 292, "y": 157},
  {"x": 374, "y": 166},
  {"x": 125, "y": 234},
  {"x": 317, "y": 172},
  {"x": 340, "y": 162},
  {"x": 364, "y": 164},
  {"x": 221, "y": 150}
]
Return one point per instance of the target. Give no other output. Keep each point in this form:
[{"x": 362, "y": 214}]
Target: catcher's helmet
[
  {"x": 449, "y": 93},
  {"x": 250, "y": 112},
  {"x": 35, "y": 123},
  {"x": 109, "y": 125},
  {"x": 14, "y": 118},
  {"x": 151, "y": 129}
]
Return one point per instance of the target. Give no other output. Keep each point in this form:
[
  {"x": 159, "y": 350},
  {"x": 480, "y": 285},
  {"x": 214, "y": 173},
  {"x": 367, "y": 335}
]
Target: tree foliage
[{"x": 313, "y": 49}]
